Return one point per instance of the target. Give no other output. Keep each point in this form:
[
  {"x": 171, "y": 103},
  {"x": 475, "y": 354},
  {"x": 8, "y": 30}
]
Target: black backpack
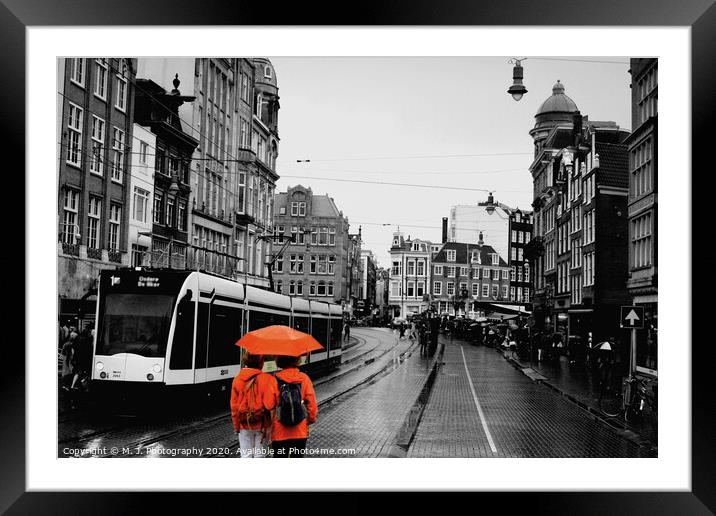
[{"x": 290, "y": 410}]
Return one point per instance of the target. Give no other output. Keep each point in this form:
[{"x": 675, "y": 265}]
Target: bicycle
[{"x": 629, "y": 400}]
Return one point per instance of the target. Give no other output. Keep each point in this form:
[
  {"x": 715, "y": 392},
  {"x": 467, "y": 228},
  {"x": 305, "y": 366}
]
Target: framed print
[{"x": 427, "y": 243}]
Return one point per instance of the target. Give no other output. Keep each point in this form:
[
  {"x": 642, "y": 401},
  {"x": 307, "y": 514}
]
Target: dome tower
[{"x": 558, "y": 109}]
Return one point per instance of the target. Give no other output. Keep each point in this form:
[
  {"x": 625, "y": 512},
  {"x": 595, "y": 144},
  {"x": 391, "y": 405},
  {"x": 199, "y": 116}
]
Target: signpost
[{"x": 632, "y": 317}]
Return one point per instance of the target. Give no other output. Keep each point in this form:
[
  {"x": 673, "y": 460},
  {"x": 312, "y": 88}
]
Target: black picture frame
[{"x": 700, "y": 15}]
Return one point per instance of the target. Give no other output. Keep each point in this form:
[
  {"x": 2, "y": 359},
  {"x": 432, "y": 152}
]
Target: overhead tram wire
[
  {"x": 442, "y": 172},
  {"x": 417, "y": 157},
  {"x": 385, "y": 183}
]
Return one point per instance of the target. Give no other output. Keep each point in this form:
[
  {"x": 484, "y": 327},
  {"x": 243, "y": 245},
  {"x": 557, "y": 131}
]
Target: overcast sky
[{"x": 338, "y": 112}]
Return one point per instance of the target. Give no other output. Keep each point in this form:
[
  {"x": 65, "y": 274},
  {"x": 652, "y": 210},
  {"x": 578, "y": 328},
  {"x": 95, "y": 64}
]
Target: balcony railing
[
  {"x": 95, "y": 254},
  {"x": 71, "y": 249},
  {"x": 114, "y": 256}
]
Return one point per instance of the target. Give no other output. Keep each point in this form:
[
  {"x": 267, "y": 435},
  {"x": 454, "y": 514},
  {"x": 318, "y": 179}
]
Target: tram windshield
[{"x": 135, "y": 323}]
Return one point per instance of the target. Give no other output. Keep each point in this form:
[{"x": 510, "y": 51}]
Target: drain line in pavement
[{"x": 477, "y": 404}]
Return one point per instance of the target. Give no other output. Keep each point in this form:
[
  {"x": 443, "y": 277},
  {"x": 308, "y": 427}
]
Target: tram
[{"x": 175, "y": 328}]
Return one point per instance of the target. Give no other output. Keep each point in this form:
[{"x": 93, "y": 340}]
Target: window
[
  {"x": 279, "y": 287},
  {"x": 299, "y": 288},
  {"x": 495, "y": 259},
  {"x": 292, "y": 288},
  {"x": 526, "y": 294},
  {"x": 395, "y": 270},
  {"x": 485, "y": 290},
  {"x": 312, "y": 289},
  {"x": 279, "y": 264},
  {"x": 331, "y": 236},
  {"x": 512, "y": 273},
  {"x": 504, "y": 273},
  {"x": 411, "y": 268},
  {"x": 504, "y": 292},
  {"x": 331, "y": 264},
  {"x": 312, "y": 264},
  {"x": 641, "y": 242},
  {"x": 121, "y": 100},
  {"x": 74, "y": 134},
  {"x": 141, "y": 203},
  {"x": 181, "y": 216},
  {"x": 323, "y": 236},
  {"x": 143, "y": 152},
  {"x": 464, "y": 272},
  {"x": 514, "y": 235},
  {"x": 97, "y": 145},
  {"x": 77, "y": 71},
  {"x": 475, "y": 290},
  {"x": 495, "y": 290},
  {"x": 463, "y": 287},
  {"x": 450, "y": 288},
  {"x": 451, "y": 272},
  {"x": 93, "y": 218},
  {"x": 512, "y": 293},
  {"x": 495, "y": 274},
  {"x": 438, "y": 270},
  {"x": 646, "y": 88},
  {"x": 329, "y": 290},
  {"x": 420, "y": 289},
  {"x": 267, "y": 71},
  {"x": 117, "y": 154},
  {"x": 170, "y": 212},
  {"x": 411, "y": 289},
  {"x": 420, "y": 268},
  {"x": 115, "y": 214},
  {"x": 158, "y": 207},
  {"x": 294, "y": 209},
  {"x": 641, "y": 169},
  {"x": 450, "y": 255},
  {"x": 100, "y": 79},
  {"x": 437, "y": 288},
  {"x": 486, "y": 273}
]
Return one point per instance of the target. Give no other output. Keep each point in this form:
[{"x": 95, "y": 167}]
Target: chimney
[{"x": 445, "y": 229}]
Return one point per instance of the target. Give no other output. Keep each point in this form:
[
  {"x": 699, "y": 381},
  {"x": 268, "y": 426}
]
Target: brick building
[
  {"x": 520, "y": 231},
  {"x": 368, "y": 282},
  {"x": 467, "y": 278},
  {"x": 579, "y": 248},
  {"x": 95, "y": 121},
  {"x": 643, "y": 207},
  {"x": 316, "y": 264}
]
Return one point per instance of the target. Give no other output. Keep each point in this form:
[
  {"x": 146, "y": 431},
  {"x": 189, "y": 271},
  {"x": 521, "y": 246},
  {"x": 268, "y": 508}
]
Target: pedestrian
[
  {"x": 67, "y": 359},
  {"x": 401, "y": 330},
  {"x": 434, "y": 329},
  {"x": 253, "y": 398},
  {"x": 347, "y": 331},
  {"x": 290, "y": 424},
  {"x": 82, "y": 358}
]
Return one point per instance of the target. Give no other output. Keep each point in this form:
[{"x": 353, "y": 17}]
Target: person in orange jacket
[
  {"x": 290, "y": 441},
  {"x": 253, "y": 399}
]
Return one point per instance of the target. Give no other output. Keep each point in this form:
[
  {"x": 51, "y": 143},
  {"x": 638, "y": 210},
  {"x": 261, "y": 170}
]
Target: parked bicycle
[{"x": 628, "y": 399}]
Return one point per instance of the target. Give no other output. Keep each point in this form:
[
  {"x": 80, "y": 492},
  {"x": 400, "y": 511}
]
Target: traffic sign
[{"x": 632, "y": 317}]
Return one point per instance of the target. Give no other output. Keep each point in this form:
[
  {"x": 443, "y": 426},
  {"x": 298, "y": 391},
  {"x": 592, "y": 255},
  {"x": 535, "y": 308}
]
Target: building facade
[
  {"x": 578, "y": 253},
  {"x": 316, "y": 262},
  {"x": 95, "y": 113},
  {"x": 234, "y": 117},
  {"x": 368, "y": 282},
  {"x": 158, "y": 111},
  {"x": 409, "y": 287},
  {"x": 466, "y": 278},
  {"x": 643, "y": 207},
  {"x": 141, "y": 187},
  {"x": 520, "y": 231}
]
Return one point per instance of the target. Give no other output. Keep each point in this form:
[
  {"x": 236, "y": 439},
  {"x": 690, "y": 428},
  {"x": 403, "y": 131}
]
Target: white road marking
[{"x": 477, "y": 404}]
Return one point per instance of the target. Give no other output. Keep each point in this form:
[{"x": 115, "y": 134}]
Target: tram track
[{"x": 145, "y": 443}]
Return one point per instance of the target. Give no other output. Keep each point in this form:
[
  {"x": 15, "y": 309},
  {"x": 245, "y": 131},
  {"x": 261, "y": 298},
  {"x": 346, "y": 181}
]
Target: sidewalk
[{"x": 578, "y": 385}]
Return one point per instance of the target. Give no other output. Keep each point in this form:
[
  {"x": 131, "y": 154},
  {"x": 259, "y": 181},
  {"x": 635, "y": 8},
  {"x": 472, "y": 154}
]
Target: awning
[{"x": 512, "y": 309}]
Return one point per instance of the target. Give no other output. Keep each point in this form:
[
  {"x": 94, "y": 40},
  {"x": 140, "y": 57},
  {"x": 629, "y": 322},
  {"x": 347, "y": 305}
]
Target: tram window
[
  {"x": 183, "y": 336},
  {"x": 135, "y": 323},
  {"x": 258, "y": 319},
  {"x": 320, "y": 331},
  {"x": 301, "y": 324},
  {"x": 224, "y": 331},
  {"x": 336, "y": 328},
  {"x": 201, "y": 327}
]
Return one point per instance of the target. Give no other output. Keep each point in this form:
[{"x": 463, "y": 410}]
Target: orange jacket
[
  {"x": 268, "y": 390},
  {"x": 300, "y": 431}
]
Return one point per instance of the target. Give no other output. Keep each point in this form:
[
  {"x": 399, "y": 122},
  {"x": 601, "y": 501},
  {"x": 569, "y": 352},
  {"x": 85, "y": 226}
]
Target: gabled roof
[{"x": 464, "y": 252}]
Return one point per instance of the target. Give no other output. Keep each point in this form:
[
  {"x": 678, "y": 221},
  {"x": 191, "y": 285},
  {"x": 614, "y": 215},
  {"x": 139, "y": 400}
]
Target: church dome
[{"x": 558, "y": 102}]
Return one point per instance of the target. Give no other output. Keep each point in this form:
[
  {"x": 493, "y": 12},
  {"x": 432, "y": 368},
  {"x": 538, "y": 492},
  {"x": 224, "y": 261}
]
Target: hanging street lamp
[{"x": 517, "y": 89}]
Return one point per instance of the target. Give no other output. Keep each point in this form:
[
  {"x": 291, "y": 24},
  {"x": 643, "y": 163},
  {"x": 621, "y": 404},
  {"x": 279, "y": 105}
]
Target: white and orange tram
[{"x": 179, "y": 328}]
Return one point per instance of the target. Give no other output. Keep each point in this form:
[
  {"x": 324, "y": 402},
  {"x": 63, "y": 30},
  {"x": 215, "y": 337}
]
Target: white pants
[{"x": 252, "y": 444}]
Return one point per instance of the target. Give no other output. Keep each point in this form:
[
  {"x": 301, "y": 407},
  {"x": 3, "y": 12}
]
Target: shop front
[{"x": 646, "y": 340}]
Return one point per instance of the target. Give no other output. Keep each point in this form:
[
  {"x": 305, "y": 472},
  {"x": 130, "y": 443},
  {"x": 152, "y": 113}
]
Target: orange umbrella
[{"x": 278, "y": 340}]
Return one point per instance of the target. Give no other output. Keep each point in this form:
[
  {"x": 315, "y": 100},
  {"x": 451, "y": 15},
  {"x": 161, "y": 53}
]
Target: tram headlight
[
  {"x": 99, "y": 366},
  {"x": 103, "y": 375},
  {"x": 157, "y": 368},
  {"x": 150, "y": 377}
]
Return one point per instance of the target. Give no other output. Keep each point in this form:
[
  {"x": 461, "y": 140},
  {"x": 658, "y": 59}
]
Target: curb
[{"x": 625, "y": 431}]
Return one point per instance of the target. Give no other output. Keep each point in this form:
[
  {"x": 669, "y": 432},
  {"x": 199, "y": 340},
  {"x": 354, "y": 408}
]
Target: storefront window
[{"x": 646, "y": 340}]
